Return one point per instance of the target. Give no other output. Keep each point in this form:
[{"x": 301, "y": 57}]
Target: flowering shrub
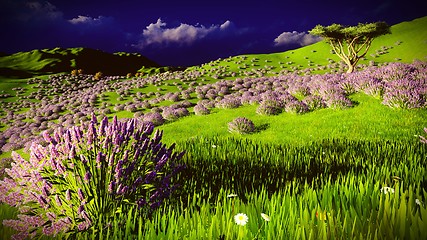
[
  {"x": 154, "y": 117},
  {"x": 406, "y": 93},
  {"x": 199, "y": 109},
  {"x": 228, "y": 103},
  {"x": 171, "y": 113},
  {"x": 83, "y": 177},
  {"x": 268, "y": 109},
  {"x": 314, "y": 102},
  {"x": 296, "y": 107},
  {"x": 4, "y": 164},
  {"x": 241, "y": 125},
  {"x": 338, "y": 101}
]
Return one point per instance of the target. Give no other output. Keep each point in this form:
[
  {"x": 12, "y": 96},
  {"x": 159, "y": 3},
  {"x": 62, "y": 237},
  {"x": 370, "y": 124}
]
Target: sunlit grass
[{"x": 368, "y": 120}]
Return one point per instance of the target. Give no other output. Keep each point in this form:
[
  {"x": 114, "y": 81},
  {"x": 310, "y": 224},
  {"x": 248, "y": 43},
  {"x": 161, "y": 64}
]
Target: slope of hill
[
  {"x": 407, "y": 42},
  {"x": 37, "y": 62}
]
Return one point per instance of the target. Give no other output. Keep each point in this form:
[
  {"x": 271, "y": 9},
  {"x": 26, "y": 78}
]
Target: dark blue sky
[{"x": 185, "y": 32}]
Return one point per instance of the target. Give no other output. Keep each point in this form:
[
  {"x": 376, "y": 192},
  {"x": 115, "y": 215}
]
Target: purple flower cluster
[
  {"x": 241, "y": 125},
  {"x": 229, "y": 102},
  {"x": 173, "y": 113},
  {"x": 200, "y": 109},
  {"x": 87, "y": 173},
  {"x": 406, "y": 93},
  {"x": 154, "y": 117},
  {"x": 66, "y": 100}
]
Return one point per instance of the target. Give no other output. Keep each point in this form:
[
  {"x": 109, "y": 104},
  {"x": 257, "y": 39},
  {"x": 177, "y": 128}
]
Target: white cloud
[
  {"x": 184, "y": 34},
  {"x": 226, "y": 25},
  {"x": 89, "y": 20},
  {"x": 301, "y": 38}
]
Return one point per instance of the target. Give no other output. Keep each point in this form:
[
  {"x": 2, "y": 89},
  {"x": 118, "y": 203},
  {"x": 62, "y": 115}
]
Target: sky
[{"x": 188, "y": 32}]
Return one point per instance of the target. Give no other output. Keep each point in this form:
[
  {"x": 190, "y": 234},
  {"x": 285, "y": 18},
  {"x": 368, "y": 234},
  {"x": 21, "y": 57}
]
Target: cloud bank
[
  {"x": 184, "y": 34},
  {"x": 295, "y": 38},
  {"x": 80, "y": 20}
]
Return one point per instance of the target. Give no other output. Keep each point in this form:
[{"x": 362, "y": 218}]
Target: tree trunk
[{"x": 350, "y": 68}]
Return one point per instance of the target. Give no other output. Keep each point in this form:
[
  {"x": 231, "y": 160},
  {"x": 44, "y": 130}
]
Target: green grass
[
  {"x": 293, "y": 166},
  {"x": 368, "y": 120},
  {"x": 411, "y": 35}
]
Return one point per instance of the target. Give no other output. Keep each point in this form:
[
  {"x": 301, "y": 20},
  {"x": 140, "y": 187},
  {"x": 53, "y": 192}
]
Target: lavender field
[
  {"x": 66, "y": 100},
  {"x": 96, "y": 170}
]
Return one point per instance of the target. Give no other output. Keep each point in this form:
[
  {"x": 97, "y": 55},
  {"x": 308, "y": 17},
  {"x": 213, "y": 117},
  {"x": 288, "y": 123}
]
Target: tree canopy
[{"x": 351, "y": 43}]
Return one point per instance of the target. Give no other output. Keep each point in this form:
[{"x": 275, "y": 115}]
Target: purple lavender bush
[
  {"x": 338, "y": 101},
  {"x": 172, "y": 113},
  {"x": 268, "y": 109},
  {"x": 241, "y": 125},
  {"x": 200, "y": 109},
  {"x": 154, "y": 117},
  {"x": 296, "y": 107},
  {"x": 314, "y": 102},
  {"x": 86, "y": 175},
  {"x": 406, "y": 93},
  {"x": 229, "y": 103}
]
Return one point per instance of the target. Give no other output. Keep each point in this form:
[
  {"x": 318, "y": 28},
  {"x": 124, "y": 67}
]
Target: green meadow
[{"x": 352, "y": 173}]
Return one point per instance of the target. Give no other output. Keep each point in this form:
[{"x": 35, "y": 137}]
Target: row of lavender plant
[{"x": 68, "y": 99}]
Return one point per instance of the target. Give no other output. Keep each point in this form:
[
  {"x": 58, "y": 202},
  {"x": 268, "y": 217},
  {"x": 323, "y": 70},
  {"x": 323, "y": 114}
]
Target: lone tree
[{"x": 351, "y": 43}]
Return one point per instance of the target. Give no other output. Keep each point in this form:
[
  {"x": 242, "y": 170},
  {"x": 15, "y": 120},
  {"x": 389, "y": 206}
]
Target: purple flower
[
  {"x": 83, "y": 159},
  {"x": 103, "y": 126},
  {"x": 296, "y": 107},
  {"x": 68, "y": 195},
  {"x": 72, "y": 153},
  {"x": 88, "y": 176},
  {"x": 150, "y": 176},
  {"x": 58, "y": 200},
  {"x": 48, "y": 138},
  {"x": 141, "y": 203},
  {"x": 130, "y": 150},
  {"x": 111, "y": 186},
  {"x": 155, "y": 118},
  {"x": 199, "y": 109},
  {"x": 155, "y": 205},
  {"x": 119, "y": 169},
  {"x": 80, "y": 194},
  {"x": 100, "y": 158},
  {"x": 229, "y": 102},
  {"x": 241, "y": 125},
  {"x": 45, "y": 191}
]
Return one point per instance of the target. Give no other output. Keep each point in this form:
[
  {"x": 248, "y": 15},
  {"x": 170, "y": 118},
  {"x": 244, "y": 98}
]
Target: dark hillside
[{"x": 58, "y": 60}]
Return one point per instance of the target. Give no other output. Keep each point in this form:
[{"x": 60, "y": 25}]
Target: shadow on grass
[{"x": 261, "y": 127}]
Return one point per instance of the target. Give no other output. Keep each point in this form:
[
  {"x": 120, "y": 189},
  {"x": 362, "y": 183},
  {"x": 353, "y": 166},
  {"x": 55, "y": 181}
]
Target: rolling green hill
[
  {"x": 407, "y": 42},
  {"x": 353, "y": 172},
  {"x": 46, "y": 61}
]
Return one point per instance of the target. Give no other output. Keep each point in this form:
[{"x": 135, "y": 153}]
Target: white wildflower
[
  {"x": 386, "y": 190},
  {"x": 241, "y": 219},
  {"x": 265, "y": 217}
]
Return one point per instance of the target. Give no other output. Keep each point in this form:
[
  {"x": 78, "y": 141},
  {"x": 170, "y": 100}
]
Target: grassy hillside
[
  {"x": 407, "y": 42},
  {"x": 352, "y": 167},
  {"x": 57, "y": 60}
]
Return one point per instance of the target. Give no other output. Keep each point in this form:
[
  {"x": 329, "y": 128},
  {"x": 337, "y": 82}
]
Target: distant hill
[
  {"x": 46, "y": 61},
  {"x": 407, "y": 42}
]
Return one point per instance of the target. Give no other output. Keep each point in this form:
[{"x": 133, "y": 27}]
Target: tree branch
[
  {"x": 338, "y": 51},
  {"x": 368, "y": 44},
  {"x": 366, "y": 41}
]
